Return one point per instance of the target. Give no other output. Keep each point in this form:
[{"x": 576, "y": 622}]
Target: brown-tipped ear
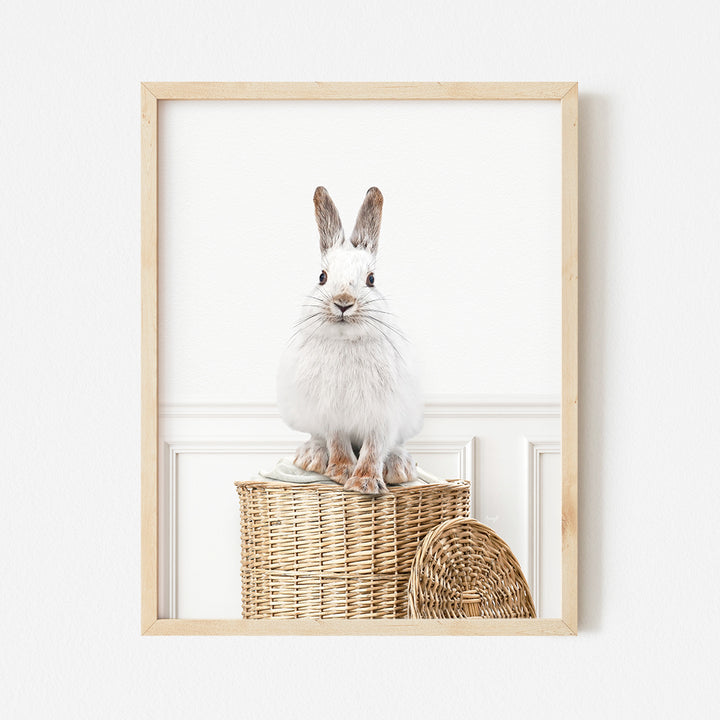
[
  {"x": 367, "y": 225},
  {"x": 328, "y": 220}
]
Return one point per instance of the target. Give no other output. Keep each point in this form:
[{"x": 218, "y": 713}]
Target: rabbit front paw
[
  {"x": 367, "y": 485},
  {"x": 342, "y": 460},
  {"x": 312, "y": 456},
  {"x": 340, "y": 471}
]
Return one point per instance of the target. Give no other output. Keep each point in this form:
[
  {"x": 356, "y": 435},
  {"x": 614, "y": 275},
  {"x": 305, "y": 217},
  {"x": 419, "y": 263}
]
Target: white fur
[{"x": 355, "y": 376}]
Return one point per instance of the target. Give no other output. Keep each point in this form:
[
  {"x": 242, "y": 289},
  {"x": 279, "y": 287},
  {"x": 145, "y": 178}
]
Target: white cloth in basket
[{"x": 285, "y": 471}]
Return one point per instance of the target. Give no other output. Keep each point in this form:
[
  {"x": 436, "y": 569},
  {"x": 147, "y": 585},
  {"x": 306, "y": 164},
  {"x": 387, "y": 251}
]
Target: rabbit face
[
  {"x": 346, "y": 281},
  {"x": 345, "y": 303}
]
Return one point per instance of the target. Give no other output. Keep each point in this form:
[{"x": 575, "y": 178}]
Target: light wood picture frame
[{"x": 154, "y": 93}]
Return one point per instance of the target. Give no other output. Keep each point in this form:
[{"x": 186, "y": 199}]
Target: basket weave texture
[
  {"x": 318, "y": 551},
  {"x": 464, "y": 569}
]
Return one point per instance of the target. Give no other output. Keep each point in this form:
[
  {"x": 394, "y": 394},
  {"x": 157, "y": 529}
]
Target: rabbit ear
[
  {"x": 367, "y": 225},
  {"x": 328, "y": 220}
]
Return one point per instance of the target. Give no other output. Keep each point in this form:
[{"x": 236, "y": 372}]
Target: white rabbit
[{"x": 347, "y": 375}]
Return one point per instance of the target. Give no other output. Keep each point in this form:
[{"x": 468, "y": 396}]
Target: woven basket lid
[{"x": 464, "y": 569}]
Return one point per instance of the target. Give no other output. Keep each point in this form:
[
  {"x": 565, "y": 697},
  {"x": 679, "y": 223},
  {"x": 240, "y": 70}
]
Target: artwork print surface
[
  {"x": 375, "y": 336},
  {"x": 347, "y": 376}
]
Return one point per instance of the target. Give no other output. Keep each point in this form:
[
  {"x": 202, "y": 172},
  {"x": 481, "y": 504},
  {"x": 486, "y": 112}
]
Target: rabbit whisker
[
  {"x": 390, "y": 342},
  {"x": 323, "y": 296},
  {"x": 315, "y": 329},
  {"x": 309, "y": 317},
  {"x": 387, "y": 325},
  {"x": 375, "y": 310},
  {"x": 319, "y": 322},
  {"x": 378, "y": 299}
]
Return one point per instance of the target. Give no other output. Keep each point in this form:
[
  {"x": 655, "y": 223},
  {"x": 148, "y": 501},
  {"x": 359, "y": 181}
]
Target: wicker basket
[
  {"x": 317, "y": 551},
  {"x": 464, "y": 569}
]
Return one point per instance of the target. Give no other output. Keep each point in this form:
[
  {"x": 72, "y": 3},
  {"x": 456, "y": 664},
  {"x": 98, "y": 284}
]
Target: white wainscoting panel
[
  {"x": 545, "y": 525},
  {"x": 507, "y": 447}
]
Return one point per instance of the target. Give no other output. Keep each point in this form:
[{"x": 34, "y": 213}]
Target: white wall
[{"x": 650, "y": 413}]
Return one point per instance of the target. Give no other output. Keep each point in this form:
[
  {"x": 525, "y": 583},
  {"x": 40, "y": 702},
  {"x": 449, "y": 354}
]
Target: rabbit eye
[
  {"x": 370, "y": 280},
  {"x": 323, "y": 277}
]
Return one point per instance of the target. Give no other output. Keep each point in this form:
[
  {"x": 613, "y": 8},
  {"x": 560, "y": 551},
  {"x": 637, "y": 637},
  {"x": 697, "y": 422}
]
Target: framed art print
[{"x": 272, "y": 209}]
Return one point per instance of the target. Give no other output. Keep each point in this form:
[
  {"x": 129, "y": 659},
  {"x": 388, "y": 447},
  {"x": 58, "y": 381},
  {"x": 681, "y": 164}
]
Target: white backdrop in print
[
  {"x": 469, "y": 246},
  {"x": 469, "y": 258}
]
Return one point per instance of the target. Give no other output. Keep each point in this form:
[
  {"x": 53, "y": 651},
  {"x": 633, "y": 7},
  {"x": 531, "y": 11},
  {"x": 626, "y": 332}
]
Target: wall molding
[
  {"x": 436, "y": 406},
  {"x": 535, "y": 448},
  {"x": 171, "y": 451}
]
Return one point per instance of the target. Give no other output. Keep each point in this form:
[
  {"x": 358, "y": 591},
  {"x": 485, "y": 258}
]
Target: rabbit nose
[{"x": 344, "y": 302}]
